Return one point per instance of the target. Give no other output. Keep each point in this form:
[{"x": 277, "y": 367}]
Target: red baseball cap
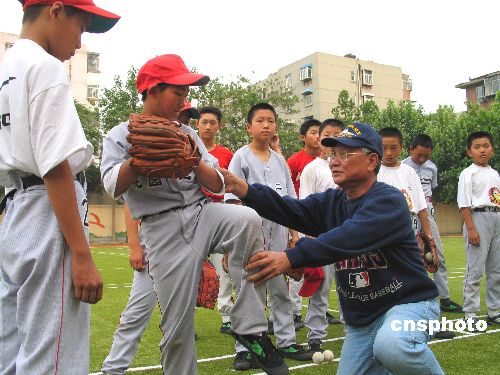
[
  {"x": 101, "y": 22},
  {"x": 193, "y": 112},
  {"x": 167, "y": 69},
  {"x": 313, "y": 277}
]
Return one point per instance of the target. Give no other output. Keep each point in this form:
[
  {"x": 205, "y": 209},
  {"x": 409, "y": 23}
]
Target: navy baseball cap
[{"x": 357, "y": 135}]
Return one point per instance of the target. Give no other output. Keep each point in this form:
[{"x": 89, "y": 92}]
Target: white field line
[{"x": 468, "y": 335}]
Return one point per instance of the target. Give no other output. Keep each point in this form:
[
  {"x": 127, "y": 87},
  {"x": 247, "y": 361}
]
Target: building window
[
  {"x": 93, "y": 62},
  {"x": 491, "y": 85},
  {"x": 308, "y": 100},
  {"x": 367, "y": 77},
  {"x": 480, "y": 94},
  {"x": 353, "y": 76},
  {"x": 368, "y": 97},
  {"x": 93, "y": 92},
  {"x": 288, "y": 81},
  {"x": 8, "y": 45},
  {"x": 407, "y": 84},
  {"x": 305, "y": 72}
]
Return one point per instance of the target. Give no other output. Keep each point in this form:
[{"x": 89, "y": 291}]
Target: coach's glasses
[{"x": 343, "y": 156}]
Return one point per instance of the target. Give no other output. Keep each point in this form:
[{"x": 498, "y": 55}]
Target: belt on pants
[{"x": 487, "y": 209}]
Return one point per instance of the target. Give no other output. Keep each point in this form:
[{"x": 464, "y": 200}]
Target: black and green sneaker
[
  {"x": 225, "y": 328},
  {"x": 244, "y": 361},
  {"x": 265, "y": 354},
  {"x": 296, "y": 352},
  {"x": 447, "y": 305}
]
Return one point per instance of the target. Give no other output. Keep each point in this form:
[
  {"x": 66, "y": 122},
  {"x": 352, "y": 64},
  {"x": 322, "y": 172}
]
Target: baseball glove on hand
[
  {"x": 208, "y": 289},
  {"x": 160, "y": 148},
  {"x": 429, "y": 253}
]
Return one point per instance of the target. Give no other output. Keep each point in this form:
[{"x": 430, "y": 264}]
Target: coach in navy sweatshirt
[{"x": 365, "y": 230}]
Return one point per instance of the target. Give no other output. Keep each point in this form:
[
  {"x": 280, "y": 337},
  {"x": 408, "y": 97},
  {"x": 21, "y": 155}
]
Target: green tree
[
  {"x": 235, "y": 98},
  {"x": 369, "y": 112},
  {"x": 346, "y": 110},
  {"x": 119, "y": 101}
]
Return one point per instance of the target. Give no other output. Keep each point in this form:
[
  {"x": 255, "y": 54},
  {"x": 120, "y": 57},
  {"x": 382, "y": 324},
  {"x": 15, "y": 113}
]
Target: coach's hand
[
  {"x": 234, "y": 184},
  {"x": 268, "y": 264},
  {"x": 86, "y": 279}
]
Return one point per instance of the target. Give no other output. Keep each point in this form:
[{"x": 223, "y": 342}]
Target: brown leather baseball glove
[
  {"x": 429, "y": 253},
  {"x": 160, "y": 148},
  {"x": 208, "y": 289}
]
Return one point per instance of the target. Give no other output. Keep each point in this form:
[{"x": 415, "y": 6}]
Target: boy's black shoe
[
  {"x": 493, "y": 319},
  {"x": 225, "y": 328},
  {"x": 315, "y": 346},
  {"x": 297, "y": 322},
  {"x": 330, "y": 319},
  {"x": 444, "y": 335},
  {"x": 265, "y": 354},
  {"x": 450, "y": 306},
  {"x": 296, "y": 352},
  {"x": 244, "y": 361}
]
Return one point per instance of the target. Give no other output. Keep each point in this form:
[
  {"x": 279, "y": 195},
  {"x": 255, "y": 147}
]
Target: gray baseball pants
[
  {"x": 440, "y": 277},
  {"x": 481, "y": 259},
  {"x": 133, "y": 322},
  {"x": 43, "y": 328},
  {"x": 226, "y": 286},
  {"x": 177, "y": 244}
]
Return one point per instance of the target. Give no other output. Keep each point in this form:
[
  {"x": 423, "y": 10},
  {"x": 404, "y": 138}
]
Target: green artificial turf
[{"x": 466, "y": 355}]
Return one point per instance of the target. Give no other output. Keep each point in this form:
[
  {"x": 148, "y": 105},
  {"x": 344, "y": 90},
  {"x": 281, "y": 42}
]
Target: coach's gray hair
[{"x": 368, "y": 151}]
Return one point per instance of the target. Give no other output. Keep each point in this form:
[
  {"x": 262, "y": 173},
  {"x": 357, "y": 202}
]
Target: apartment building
[
  {"x": 318, "y": 79},
  {"x": 83, "y": 70},
  {"x": 481, "y": 89}
]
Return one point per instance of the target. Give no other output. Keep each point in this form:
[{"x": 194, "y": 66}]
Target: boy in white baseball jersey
[
  {"x": 256, "y": 162},
  {"x": 478, "y": 199},
  {"x": 317, "y": 178},
  {"x": 47, "y": 271},
  {"x": 180, "y": 228},
  {"x": 420, "y": 152},
  {"x": 404, "y": 178}
]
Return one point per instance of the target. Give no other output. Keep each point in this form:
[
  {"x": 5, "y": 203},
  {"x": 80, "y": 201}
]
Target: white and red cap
[
  {"x": 101, "y": 22},
  {"x": 167, "y": 69}
]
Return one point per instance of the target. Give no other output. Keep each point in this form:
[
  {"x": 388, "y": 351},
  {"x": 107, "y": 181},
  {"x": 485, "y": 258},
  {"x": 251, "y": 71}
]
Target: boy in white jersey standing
[
  {"x": 478, "y": 199},
  {"x": 47, "y": 271},
  {"x": 317, "y": 178},
  {"x": 420, "y": 152}
]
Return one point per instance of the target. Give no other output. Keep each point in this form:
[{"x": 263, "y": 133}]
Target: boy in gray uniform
[
  {"x": 180, "y": 228},
  {"x": 420, "y": 150},
  {"x": 256, "y": 162},
  {"x": 478, "y": 199}
]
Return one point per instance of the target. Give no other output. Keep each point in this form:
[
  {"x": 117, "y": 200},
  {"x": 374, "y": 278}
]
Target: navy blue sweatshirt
[{"x": 369, "y": 239}]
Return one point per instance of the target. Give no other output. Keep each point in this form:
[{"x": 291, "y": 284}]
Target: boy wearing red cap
[
  {"x": 181, "y": 227},
  {"x": 47, "y": 272}
]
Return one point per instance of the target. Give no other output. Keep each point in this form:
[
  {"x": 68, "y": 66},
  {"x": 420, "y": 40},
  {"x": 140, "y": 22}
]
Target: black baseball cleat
[
  {"x": 297, "y": 322},
  {"x": 225, "y": 328},
  {"x": 244, "y": 361},
  {"x": 315, "y": 346},
  {"x": 493, "y": 319},
  {"x": 263, "y": 351},
  {"x": 444, "y": 335},
  {"x": 296, "y": 352},
  {"x": 447, "y": 305},
  {"x": 330, "y": 319}
]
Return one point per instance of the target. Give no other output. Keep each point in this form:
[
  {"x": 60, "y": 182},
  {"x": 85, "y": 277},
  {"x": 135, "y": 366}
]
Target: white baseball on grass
[
  {"x": 428, "y": 257},
  {"x": 318, "y": 358},
  {"x": 328, "y": 355}
]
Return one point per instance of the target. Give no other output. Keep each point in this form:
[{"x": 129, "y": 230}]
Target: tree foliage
[
  {"x": 119, "y": 101},
  {"x": 235, "y": 98},
  {"x": 448, "y": 130}
]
